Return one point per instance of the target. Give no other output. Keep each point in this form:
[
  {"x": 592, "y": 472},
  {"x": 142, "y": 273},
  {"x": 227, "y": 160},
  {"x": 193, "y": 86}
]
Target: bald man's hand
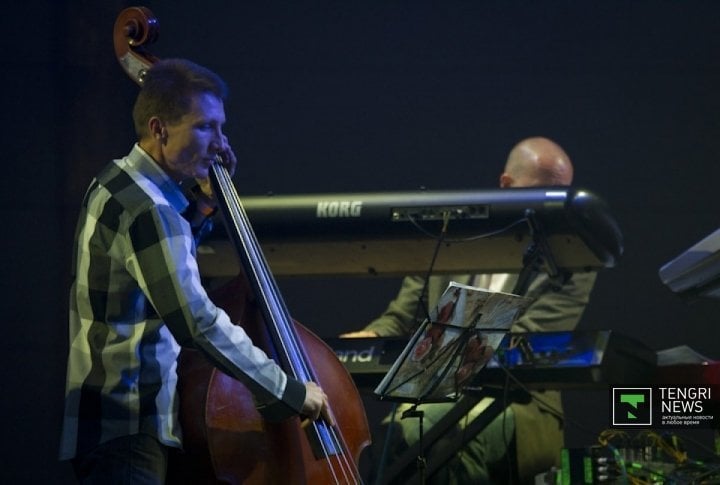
[{"x": 359, "y": 334}]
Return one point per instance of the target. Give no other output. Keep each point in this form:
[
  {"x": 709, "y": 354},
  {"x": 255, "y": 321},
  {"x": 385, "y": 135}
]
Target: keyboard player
[{"x": 525, "y": 439}]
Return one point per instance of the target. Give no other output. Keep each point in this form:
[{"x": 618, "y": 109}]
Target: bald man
[
  {"x": 533, "y": 435},
  {"x": 537, "y": 162}
]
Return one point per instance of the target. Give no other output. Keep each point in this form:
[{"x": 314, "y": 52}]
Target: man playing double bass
[{"x": 136, "y": 294}]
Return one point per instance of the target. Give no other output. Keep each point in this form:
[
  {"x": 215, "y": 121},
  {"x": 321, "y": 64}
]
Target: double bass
[{"x": 225, "y": 439}]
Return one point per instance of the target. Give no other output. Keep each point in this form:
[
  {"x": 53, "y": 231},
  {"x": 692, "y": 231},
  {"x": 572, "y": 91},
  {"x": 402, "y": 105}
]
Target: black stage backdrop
[{"x": 367, "y": 96}]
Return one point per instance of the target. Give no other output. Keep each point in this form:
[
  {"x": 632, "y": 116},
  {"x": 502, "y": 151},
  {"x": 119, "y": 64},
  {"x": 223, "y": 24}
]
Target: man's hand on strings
[{"x": 316, "y": 404}]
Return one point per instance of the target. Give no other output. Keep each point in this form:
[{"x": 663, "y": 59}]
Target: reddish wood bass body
[{"x": 225, "y": 436}]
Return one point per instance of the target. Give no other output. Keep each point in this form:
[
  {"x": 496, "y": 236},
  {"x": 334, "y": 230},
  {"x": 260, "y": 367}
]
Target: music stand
[
  {"x": 538, "y": 256},
  {"x": 449, "y": 348}
]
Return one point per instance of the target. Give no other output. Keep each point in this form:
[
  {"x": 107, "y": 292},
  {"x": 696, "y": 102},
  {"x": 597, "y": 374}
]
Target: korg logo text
[{"x": 339, "y": 208}]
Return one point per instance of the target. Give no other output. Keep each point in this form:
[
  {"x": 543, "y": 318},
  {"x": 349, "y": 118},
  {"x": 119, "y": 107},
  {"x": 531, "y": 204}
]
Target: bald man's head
[{"x": 535, "y": 162}]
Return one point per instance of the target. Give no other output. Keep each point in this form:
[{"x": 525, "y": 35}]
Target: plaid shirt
[{"x": 136, "y": 293}]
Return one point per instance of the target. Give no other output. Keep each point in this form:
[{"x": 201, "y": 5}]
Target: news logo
[{"x": 632, "y": 406}]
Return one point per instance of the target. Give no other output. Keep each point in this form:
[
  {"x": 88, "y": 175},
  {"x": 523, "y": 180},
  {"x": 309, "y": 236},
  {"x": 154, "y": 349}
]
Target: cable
[
  {"x": 386, "y": 445},
  {"x": 446, "y": 217},
  {"x": 421, "y": 305}
]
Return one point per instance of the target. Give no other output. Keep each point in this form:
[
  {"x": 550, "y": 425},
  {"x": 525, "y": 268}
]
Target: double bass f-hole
[{"x": 224, "y": 437}]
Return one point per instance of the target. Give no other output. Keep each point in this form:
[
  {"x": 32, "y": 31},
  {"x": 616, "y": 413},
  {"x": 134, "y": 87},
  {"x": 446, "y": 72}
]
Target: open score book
[{"x": 448, "y": 349}]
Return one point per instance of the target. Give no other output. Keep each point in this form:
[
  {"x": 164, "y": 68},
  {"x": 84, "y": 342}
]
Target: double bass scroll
[{"x": 135, "y": 27}]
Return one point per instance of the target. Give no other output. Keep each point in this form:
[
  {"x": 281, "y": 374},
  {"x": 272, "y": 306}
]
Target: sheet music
[{"x": 461, "y": 335}]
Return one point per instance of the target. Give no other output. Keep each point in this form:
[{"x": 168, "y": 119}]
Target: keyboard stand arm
[{"x": 538, "y": 254}]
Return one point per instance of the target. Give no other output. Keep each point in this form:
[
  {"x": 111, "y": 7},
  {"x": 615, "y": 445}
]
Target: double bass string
[
  {"x": 275, "y": 312},
  {"x": 280, "y": 316}
]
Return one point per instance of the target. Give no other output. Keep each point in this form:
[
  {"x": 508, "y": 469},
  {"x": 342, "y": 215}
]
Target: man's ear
[
  {"x": 506, "y": 180},
  {"x": 157, "y": 128}
]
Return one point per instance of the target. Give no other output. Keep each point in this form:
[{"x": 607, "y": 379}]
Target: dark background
[{"x": 367, "y": 96}]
